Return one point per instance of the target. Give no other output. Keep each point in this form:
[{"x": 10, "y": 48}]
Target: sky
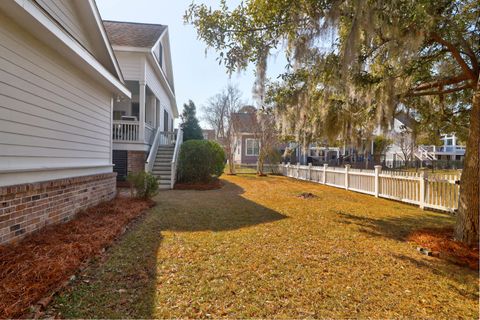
[{"x": 196, "y": 76}]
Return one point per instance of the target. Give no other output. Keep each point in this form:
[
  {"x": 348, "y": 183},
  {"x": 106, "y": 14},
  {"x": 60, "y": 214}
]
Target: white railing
[
  {"x": 178, "y": 143},
  {"x": 124, "y": 130},
  {"x": 153, "y": 152},
  {"x": 167, "y": 138},
  {"x": 149, "y": 133},
  {"x": 437, "y": 191}
]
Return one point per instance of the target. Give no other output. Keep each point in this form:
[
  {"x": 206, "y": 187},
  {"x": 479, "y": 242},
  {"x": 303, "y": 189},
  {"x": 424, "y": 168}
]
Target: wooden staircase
[{"x": 162, "y": 168}]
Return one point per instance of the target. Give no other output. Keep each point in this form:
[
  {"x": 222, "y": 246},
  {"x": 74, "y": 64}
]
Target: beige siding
[
  {"x": 153, "y": 82},
  {"x": 65, "y": 13},
  {"x": 51, "y": 114},
  {"x": 131, "y": 64}
]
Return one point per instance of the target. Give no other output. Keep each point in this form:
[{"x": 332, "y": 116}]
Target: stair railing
[
  {"x": 178, "y": 143},
  {"x": 153, "y": 151}
]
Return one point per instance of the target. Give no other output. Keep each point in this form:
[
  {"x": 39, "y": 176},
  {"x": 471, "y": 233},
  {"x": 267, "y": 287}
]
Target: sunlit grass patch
[{"x": 256, "y": 249}]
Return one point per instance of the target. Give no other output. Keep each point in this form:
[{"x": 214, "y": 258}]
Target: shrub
[
  {"x": 144, "y": 184},
  {"x": 200, "y": 161}
]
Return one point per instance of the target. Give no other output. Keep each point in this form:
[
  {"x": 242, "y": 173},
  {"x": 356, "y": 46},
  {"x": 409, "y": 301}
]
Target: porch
[{"x": 137, "y": 120}]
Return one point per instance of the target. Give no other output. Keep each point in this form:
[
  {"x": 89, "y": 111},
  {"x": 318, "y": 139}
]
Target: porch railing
[
  {"x": 149, "y": 133},
  {"x": 176, "y": 151},
  {"x": 153, "y": 152},
  {"x": 125, "y": 130},
  {"x": 161, "y": 138},
  {"x": 167, "y": 138}
]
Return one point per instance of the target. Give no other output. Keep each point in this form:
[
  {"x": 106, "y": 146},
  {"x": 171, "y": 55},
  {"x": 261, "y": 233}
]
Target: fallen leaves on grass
[
  {"x": 441, "y": 241},
  {"x": 306, "y": 195},
  {"x": 36, "y": 267}
]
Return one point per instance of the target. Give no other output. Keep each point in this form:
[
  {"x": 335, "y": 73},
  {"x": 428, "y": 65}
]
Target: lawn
[{"x": 256, "y": 249}]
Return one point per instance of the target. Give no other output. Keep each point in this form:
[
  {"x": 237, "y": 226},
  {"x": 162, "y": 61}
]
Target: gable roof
[
  {"x": 406, "y": 119},
  {"x": 133, "y": 34},
  {"x": 81, "y": 20},
  {"x": 244, "y": 122}
]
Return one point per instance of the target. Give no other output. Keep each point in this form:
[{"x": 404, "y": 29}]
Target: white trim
[
  {"x": 131, "y": 49},
  {"x": 48, "y": 174},
  {"x": 131, "y": 146},
  {"x": 164, "y": 79},
  {"x": 101, "y": 28},
  {"x": 55, "y": 168},
  {"x": 67, "y": 41},
  {"x": 246, "y": 147}
]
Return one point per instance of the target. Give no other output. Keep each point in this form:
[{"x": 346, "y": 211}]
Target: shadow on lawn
[
  {"x": 397, "y": 227},
  {"x": 214, "y": 210},
  {"x": 124, "y": 284}
]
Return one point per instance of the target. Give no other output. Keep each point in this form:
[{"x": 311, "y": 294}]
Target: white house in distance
[
  {"x": 58, "y": 81},
  {"x": 145, "y": 120}
]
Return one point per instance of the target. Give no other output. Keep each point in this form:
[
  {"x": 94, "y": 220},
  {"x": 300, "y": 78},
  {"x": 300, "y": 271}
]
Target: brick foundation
[
  {"x": 136, "y": 161},
  {"x": 26, "y": 208}
]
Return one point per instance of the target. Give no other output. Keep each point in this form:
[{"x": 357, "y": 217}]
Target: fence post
[
  {"x": 347, "y": 170},
  {"x": 325, "y": 166},
  {"x": 423, "y": 177},
  {"x": 298, "y": 170},
  {"x": 309, "y": 174},
  {"x": 377, "y": 180},
  {"x": 288, "y": 169}
]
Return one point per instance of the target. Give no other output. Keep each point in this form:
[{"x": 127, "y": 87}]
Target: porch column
[
  {"x": 141, "y": 107},
  {"x": 154, "y": 105}
]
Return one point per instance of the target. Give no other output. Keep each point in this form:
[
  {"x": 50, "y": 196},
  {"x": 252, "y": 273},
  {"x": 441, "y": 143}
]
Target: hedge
[{"x": 200, "y": 161}]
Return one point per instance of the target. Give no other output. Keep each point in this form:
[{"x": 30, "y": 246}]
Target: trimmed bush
[
  {"x": 144, "y": 184},
  {"x": 200, "y": 161}
]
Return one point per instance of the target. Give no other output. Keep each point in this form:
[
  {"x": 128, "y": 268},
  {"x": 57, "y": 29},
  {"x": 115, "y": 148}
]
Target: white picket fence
[{"x": 434, "y": 191}]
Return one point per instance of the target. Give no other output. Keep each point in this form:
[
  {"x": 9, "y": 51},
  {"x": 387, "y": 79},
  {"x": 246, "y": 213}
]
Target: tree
[
  {"x": 418, "y": 56},
  {"x": 218, "y": 114},
  {"x": 265, "y": 130},
  {"x": 191, "y": 128}
]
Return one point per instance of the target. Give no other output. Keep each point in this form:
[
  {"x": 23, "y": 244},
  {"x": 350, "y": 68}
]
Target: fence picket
[{"x": 437, "y": 191}]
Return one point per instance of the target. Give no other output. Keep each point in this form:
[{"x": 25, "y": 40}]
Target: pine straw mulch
[
  {"x": 32, "y": 270},
  {"x": 441, "y": 242}
]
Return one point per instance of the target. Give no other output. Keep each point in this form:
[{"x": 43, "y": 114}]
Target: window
[
  {"x": 165, "y": 120},
  {"x": 160, "y": 54},
  {"x": 449, "y": 142},
  {"x": 252, "y": 147}
]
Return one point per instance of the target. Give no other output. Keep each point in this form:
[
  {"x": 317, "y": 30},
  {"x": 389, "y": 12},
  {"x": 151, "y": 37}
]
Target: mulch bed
[
  {"x": 34, "y": 269},
  {"x": 215, "y": 184},
  {"x": 441, "y": 242}
]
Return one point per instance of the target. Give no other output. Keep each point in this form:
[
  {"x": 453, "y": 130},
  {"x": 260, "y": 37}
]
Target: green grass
[{"x": 255, "y": 249}]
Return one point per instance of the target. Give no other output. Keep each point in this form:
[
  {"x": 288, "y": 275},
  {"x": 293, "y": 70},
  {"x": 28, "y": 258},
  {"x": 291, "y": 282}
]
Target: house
[
  {"x": 208, "y": 134},
  {"x": 143, "y": 124},
  {"x": 450, "y": 150},
  {"x": 402, "y": 148},
  {"x": 58, "y": 81},
  {"x": 247, "y": 144}
]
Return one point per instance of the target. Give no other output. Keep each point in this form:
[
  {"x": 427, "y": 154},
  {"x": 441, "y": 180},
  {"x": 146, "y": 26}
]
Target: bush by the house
[
  {"x": 200, "y": 161},
  {"x": 144, "y": 184}
]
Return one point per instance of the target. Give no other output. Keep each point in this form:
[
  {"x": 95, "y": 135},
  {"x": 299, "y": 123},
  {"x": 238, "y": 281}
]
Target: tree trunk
[{"x": 467, "y": 224}]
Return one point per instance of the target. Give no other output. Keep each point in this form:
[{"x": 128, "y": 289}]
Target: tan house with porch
[{"x": 143, "y": 126}]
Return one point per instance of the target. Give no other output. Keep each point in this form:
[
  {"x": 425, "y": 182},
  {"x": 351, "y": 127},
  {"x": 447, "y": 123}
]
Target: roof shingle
[{"x": 132, "y": 34}]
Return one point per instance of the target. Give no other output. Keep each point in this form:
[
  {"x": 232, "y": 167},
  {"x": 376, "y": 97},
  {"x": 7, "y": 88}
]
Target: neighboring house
[
  {"x": 58, "y": 81},
  {"x": 402, "y": 148},
  {"x": 403, "y": 141},
  {"x": 247, "y": 145},
  {"x": 450, "y": 149},
  {"x": 208, "y": 134},
  {"x": 145, "y": 120}
]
